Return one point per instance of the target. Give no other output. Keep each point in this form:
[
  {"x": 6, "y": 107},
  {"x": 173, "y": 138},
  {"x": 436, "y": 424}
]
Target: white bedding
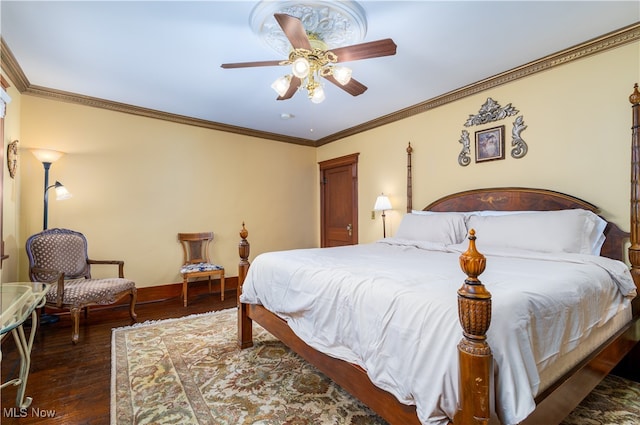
[{"x": 391, "y": 308}]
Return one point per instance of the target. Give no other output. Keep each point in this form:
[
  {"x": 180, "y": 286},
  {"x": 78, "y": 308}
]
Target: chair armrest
[
  {"x": 50, "y": 276},
  {"x": 119, "y": 263}
]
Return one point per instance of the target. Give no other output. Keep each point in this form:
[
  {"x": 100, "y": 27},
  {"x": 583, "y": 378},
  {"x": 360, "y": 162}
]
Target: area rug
[{"x": 189, "y": 371}]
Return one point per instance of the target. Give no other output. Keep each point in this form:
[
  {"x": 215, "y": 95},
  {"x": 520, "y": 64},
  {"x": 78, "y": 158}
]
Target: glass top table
[{"x": 19, "y": 302}]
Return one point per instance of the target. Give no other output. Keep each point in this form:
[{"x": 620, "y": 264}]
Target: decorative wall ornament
[
  {"x": 12, "y": 158},
  {"x": 489, "y": 112},
  {"x": 464, "y": 157},
  {"x": 520, "y": 147}
]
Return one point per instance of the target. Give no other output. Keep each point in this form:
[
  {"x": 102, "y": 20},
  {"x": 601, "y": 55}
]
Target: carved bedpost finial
[
  {"x": 243, "y": 246},
  {"x": 472, "y": 262},
  {"x": 474, "y": 301},
  {"x": 474, "y": 353},
  {"x": 635, "y": 96},
  {"x": 244, "y": 232}
]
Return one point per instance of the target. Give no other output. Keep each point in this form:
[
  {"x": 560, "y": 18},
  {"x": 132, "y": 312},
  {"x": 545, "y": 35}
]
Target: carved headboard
[{"x": 529, "y": 199}]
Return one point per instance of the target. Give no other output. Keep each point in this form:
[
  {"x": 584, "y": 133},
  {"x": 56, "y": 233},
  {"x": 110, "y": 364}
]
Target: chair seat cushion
[
  {"x": 200, "y": 267},
  {"x": 81, "y": 292}
]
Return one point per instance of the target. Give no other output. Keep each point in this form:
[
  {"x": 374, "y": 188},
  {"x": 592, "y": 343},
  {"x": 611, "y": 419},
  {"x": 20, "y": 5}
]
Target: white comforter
[{"x": 391, "y": 308}]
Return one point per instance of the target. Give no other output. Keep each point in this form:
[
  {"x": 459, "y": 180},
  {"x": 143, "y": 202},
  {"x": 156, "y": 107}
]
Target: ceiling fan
[{"x": 311, "y": 59}]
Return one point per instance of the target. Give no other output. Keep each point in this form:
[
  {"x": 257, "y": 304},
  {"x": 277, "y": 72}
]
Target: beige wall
[
  {"x": 10, "y": 189},
  {"x": 138, "y": 181},
  {"x": 578, "y": 117}
]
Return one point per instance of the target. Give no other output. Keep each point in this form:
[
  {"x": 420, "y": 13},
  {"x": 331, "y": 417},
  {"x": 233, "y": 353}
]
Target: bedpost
[
  {"x": 474, "y": 354},
  {"x": 245, "y": 327},
  {"x": 409, "y": 180},
  {"x": 634, "y": 249}
]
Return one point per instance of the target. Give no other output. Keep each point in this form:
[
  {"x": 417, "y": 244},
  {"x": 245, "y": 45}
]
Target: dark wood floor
[{"x": 74, "y": 381}]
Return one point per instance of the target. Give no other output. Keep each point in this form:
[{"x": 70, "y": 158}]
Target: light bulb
[{"x": 300, "y": 67}]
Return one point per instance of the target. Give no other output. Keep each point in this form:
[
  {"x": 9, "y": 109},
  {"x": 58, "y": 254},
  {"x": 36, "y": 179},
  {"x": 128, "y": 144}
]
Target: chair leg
[
  {"x": 184, "y": 290},
  {"x": 132, "y": 304},
  {"x": 75, "y": 316},
  {"x": 222, "y": 286}
]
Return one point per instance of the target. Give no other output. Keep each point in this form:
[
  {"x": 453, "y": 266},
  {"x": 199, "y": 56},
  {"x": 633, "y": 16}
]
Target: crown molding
[
  {"x": 11, "y": 67},
  {"x": 608, "y": 41},
  {"x": 94, "y": 102}
]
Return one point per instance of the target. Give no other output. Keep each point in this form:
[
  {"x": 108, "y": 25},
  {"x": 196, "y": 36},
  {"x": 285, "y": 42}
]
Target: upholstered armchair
[{"x": 60, "y": 257}]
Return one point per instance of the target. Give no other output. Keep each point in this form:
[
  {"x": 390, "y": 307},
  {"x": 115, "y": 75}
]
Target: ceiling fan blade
[
  {"x": 250, "y": 64},
  {"x": 293, "y": 87},
  {"x": 294, "y": 30},
  {"x": 353, "y": 87},
  {"x": 372, "y": 49}
]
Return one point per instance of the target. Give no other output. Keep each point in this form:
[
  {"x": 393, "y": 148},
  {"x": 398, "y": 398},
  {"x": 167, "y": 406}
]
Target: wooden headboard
[{"x": 528, "y": 199}]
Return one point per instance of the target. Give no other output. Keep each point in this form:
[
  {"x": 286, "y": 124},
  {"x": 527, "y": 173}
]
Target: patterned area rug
[{"x": 189, "y": 371}]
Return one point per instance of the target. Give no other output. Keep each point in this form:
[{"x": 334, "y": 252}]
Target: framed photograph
[{"x": 490, "y": 144}]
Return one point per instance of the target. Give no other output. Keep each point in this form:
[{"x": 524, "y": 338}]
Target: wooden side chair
[
  {"x": 196, "y": 261},
  {"x": 60, "y": 257}
]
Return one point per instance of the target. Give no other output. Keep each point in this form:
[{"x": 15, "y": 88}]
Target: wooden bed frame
[{"x": 474, "y": 308}]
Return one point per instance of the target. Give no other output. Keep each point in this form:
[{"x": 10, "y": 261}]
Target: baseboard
[{"x": 173, "y": 290}]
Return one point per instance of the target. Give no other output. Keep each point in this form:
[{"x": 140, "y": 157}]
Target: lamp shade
[
  {"x": 382, "y": 203},
  {"x": 47, "y": 155},
  {"x": 318, "y": 95},
  {"x": 61, "y": 192},
  {"x": 281, "y": 85},
  {"x": 342, "y": 74}
]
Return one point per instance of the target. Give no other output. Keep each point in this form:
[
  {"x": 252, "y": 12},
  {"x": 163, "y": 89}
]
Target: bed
[{"x": 487, "y": 379}]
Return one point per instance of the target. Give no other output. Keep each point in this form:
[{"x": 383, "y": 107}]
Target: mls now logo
[{"x": 14, "y": 412}]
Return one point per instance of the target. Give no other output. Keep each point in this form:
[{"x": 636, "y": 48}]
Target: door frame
[{"x": 347, "y": 160}]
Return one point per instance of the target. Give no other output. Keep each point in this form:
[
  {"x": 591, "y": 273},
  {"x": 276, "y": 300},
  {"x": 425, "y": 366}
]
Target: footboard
[{"x": 475, "y": 359}]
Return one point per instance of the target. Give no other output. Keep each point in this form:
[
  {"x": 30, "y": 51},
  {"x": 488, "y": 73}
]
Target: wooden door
[{"x": 339, "y": 201}]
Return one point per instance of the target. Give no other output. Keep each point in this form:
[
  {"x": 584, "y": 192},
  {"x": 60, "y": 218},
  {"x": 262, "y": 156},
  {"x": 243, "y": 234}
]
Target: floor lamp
[
  {"x": 47, "y": 157},
  {"x": 382, "y": 204}
]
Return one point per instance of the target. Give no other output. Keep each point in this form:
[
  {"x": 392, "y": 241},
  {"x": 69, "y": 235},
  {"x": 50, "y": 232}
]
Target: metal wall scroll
[{"x": 491, "y": 111}]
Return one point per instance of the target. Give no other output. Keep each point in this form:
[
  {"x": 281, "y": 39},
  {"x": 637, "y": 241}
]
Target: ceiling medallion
[{"x": 336, "y": 23}]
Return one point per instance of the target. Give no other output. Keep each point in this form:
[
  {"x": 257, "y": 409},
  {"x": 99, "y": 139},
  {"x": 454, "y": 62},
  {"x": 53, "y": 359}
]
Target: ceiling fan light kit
[
  {"x": 308, "y": 66},
  {"x": 316, "y": 38}
]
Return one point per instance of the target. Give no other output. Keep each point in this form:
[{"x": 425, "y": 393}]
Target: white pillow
[
  {"x": 446, "y": 228},
  {"x": 574, "y": 231}
]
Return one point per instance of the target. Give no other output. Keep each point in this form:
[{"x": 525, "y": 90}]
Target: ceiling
[{"x": 165, "y": 56}]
